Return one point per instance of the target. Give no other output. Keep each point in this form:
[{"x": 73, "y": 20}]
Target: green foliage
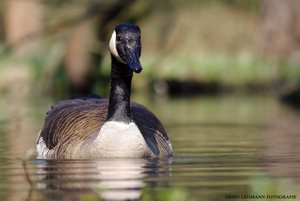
[
  {"x": 236, "y": 71},
  {"x": 220, "y": 47}
]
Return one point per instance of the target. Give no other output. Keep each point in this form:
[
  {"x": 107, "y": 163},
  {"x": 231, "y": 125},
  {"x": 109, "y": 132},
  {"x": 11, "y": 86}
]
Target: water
[{"x": 225, "y": 148}]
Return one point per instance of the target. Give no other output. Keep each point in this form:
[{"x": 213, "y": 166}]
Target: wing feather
[
  {"x": 152, "y": 130},
  {"x": 78, "y": 119},
  {"x": 73, "y": 119}
]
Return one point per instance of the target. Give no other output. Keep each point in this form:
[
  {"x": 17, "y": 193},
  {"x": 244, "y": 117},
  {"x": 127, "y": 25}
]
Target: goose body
[{"x": 114, "y": 127}]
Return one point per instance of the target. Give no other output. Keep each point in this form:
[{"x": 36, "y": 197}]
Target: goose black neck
[{"x": 119, "y": 98}]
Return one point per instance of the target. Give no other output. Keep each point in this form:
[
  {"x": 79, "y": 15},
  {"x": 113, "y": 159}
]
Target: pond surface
[{"x": 225, "y": 148}]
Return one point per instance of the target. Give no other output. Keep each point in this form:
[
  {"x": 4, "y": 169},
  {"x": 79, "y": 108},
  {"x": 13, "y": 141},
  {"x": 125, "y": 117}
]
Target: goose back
[{"x": 75, "y": 121}]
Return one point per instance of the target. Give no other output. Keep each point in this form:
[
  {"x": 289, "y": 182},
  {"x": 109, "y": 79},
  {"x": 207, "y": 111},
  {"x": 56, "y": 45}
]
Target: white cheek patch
[{"x": 113, "y": 48}]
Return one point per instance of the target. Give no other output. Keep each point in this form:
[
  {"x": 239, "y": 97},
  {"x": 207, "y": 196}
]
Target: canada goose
[{"x": 93, "y": 127}]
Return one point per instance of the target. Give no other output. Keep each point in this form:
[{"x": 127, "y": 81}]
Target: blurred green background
[{"x": 59, "y": 48}]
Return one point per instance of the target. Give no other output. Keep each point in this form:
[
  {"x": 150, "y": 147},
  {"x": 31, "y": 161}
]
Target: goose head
[{"x": 125, "y": 46}]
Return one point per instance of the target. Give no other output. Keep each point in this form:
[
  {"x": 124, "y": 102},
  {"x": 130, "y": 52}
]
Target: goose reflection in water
[{"x": 105, "y": 179}]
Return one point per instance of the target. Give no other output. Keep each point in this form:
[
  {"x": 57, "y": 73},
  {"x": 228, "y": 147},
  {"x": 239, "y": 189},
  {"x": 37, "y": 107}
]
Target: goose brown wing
[
  {"x": 73, "y": 119},
  {"x": 152, "y": 130}
]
